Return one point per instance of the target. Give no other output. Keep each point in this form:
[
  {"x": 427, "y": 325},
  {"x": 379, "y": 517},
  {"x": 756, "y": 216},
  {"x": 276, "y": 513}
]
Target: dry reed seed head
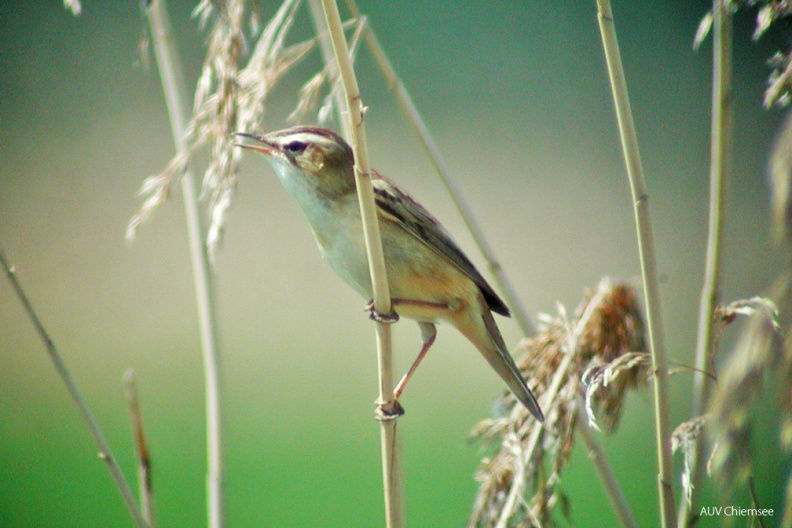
[
  {"x": 610, "y": 328},
  {"x": 512, "y": 466},
  {"x": 759, "y": 306},
  {"x": 616, "y": 325},
  {"x": 156, "y": 190},
  {"x": 758, "y": 351},
  {"x": 684, "y": 437},
  {"x": 613, "y": 349},
  {"x": 226, "y": 99},
  {"x": 606, "y": 387},
  {"x": 540, "y": 357},
  {"x": 496, "y": 476},
  {"x": 309, "y": 95}
]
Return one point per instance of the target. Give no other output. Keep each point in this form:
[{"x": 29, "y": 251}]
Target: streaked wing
[{"x": 397, "y": 204}]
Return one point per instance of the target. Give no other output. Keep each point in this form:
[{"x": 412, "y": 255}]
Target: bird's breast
[{"x": 416, "y": 272}]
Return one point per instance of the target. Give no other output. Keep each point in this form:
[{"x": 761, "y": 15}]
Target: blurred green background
[{"x": 517, "y": 97}]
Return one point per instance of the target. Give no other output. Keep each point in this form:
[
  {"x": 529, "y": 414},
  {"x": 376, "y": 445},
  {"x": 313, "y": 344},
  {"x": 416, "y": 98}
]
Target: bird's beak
[{"x": 261, "y": 145}]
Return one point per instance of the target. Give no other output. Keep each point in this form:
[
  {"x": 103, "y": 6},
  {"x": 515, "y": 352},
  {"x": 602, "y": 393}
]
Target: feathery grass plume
[
  {"x": 607, "y": 326},
  {"x": 768, "y": 13},
  {"x": 606, "y": 384},
  {"x": 684, "y": 437},
  {"x": 758, "y": 351},
  {"x": 228, "y": 98},
  {"x": 614, "y": 347}
]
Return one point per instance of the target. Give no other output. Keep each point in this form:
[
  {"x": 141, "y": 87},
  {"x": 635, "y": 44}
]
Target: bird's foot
[
  {"x": 387, "y": 411},
  {"x": 374, "y": 315}
]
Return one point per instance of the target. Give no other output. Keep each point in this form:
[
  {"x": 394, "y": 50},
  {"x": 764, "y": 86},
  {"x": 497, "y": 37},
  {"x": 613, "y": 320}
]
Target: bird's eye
[{"x": 295, "y": 147}]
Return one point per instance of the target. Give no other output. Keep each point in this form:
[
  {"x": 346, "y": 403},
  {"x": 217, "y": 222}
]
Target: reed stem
[
  {"x": 105, "y": 454},
  {"x": 391, "y": 459},
  {"x": 648, "y": 260},
  {"x": 173, "y": 86},
  {"x": 719, "y": 149}
]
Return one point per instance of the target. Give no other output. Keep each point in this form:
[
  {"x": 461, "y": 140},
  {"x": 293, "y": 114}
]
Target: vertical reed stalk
[
  {"x": 646, "y": 250},
  {"x": 172, "y": 77},
  {"x": 326, "y": 47},
  {"x": 719, "y": 150},
  {"x": 414, "y": 118},
  {"x": 391, "y": 459},
  {"x": 105, "y": 455}
]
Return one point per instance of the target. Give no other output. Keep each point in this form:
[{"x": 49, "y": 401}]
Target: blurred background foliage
[{"x": 517, "y": 98}]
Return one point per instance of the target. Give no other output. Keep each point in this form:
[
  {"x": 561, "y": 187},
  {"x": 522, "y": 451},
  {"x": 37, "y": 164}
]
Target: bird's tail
[{"x": 497, "y": 355}]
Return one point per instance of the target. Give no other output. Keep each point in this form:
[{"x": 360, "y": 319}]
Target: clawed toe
[
  {"x": 374, "y": 315},
  {"x": 389, "y": 410}
]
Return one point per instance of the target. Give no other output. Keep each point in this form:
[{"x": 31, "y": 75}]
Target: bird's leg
[
  {"x": 392, "y": 409},
  {"x": 428, "y": 334}
]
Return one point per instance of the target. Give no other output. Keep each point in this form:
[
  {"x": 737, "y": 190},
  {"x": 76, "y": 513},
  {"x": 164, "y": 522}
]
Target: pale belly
[{"x": 417, "y": 275}]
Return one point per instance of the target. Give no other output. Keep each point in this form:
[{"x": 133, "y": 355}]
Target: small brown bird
[{"x": 430, "y": 279}]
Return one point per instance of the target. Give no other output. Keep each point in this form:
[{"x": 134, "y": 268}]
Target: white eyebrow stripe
[{"x": 305, "y": 137}]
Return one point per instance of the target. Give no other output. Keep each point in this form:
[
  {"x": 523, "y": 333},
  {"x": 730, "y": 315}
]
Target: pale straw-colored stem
[
  {"x": 145, "y": 476},
  {"x": 513, "y": 301},
  {"x": 599, "y": 460},
  {"x": 646, "y": 250},
  {"x": 719, "y": 153},
  {"x": 105, "y": 454},
  {"x": 172, "y": 77},
  {"x": 391, "y": 459},
  {"x": 326, "y": 47}
]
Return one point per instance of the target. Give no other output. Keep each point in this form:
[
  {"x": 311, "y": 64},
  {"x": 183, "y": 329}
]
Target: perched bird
[{"x": 430, "y": 279}]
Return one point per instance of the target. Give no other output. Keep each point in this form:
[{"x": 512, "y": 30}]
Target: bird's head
[{"x": 319, "y": 156}]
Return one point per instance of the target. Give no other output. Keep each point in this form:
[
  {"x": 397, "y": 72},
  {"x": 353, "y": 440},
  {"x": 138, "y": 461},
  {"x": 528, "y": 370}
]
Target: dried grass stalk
[
  {"x": 607, "y": 327},
  {"x": 648, "y": 260},
  {"x": 145, "y": 475}
]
